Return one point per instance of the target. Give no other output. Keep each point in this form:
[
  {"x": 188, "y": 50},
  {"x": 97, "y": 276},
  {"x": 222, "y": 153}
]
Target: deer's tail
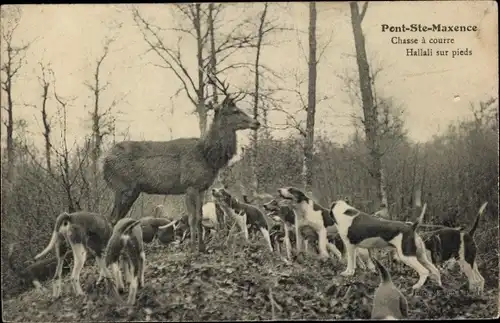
[{"x": 481, "y": 211}]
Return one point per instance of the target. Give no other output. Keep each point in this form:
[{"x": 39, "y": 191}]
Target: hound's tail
[
  {"x": 53, "y": 239},
  {"x": 481, "y": 211},
  {"x": 159, "y": 222},
  {"x": 171, "y": 224},
  {"x": 131, "y": 225},
  {"x": 417, "y": 223},
  {"x": 384, "y": 274}
]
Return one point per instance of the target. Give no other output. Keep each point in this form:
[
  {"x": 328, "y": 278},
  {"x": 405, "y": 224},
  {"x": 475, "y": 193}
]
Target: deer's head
[{"x": 229, "y": 114}]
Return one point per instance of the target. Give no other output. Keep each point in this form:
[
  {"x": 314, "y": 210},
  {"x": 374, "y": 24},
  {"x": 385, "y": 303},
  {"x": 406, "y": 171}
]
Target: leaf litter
[{"x": 248, "y": 283}]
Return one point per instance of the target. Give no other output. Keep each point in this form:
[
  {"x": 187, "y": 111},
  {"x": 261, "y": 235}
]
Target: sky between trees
[{"x": 70, "y": 37}]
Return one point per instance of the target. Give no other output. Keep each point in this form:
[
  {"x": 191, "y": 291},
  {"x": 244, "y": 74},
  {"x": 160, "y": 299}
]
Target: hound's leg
[
  {"x": 56, "y": 287},
  {"x": 80, "y": 256},
  {"x": 364, "y": 257},
  {"x": 288, "y": 244},
  {"x": 128, "y": 271},
  {"x": 322, "y": 242},
  {"x": 199, "y": 224},
  {"x": 142, "y": 255},
  {"x": 426, "y": 261},
  {"x": 40, "y": 289},
  {"x": 134, "y": 283},
  {"x": 265, "y": 233},
  {"x": 334, "y": 250},
  {"x": 471, "y": 276},
  {"x": 244, "y": 227},
  {"x": 413, "y": 262},
  {"x": 350, "y": 251},
  {"x": 135, "y": 266},
  {"x": 298, "y": 236},
  {"x": 117, "y": 276},
  {"x": 479, "y": 278},
  {"x": 277, "y": 247},
  {"x": 103, "y": 272}
]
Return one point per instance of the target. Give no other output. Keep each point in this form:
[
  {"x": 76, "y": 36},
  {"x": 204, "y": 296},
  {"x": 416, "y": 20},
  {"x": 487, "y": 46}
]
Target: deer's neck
[{"x": 219, "y": 145}]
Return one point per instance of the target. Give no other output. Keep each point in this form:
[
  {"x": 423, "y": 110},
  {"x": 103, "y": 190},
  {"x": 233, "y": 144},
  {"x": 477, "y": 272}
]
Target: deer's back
[{"x": 158, "y": 167}]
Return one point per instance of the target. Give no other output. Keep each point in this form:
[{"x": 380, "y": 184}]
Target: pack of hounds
[{"x": 341, "y": 231}]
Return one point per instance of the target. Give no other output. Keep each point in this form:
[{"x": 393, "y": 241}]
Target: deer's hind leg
[{"x": 194, "y": 205}]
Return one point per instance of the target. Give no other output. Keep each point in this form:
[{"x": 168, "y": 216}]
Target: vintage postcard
[{"x": 249, "y": 161}]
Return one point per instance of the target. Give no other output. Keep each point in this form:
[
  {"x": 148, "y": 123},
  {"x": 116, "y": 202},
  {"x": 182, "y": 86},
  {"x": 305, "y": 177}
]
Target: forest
[{"x": 50, "y": 170}]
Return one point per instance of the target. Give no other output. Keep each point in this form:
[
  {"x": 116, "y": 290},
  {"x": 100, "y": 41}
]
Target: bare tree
[
  {"x": 64, "y": 155},
  {"x": 100, "y": 115},
  {"x": 199, "y": 22},
  {"x": 173, "y": 60},
  {"x": 13, "y": 59},
  {"x": 368, "y": 103},
  {"x": 47, "y": 126},
  {"x": 311, "y": 100}
]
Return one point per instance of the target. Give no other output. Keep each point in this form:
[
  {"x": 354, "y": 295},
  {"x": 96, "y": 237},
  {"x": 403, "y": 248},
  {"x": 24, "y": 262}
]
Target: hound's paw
[
  {"x": 416, "y": 287},
  {"x": 80, "y": 293},
  {"x": 347, "y": 273},
  {"x": 324, "y": 256}
]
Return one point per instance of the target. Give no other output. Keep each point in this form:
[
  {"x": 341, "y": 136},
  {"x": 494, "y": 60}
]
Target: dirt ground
[{"x": 234, "y": 281}]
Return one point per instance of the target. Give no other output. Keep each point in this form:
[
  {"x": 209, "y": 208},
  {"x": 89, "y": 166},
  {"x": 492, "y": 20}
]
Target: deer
[{"x": 183, "y": 166}]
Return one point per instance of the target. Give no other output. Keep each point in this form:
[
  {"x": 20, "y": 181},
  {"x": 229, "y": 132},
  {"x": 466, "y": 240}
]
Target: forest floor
[{"x": 244, "y": 282}]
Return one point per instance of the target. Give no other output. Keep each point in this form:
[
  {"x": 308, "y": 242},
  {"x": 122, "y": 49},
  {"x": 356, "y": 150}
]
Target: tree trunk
[
  {"x": 200, "y": 109},
  {"x": 311, "y": 100},
  {"x": 213, "y": 54},
  {"x": 369, "y": 107},
  {"x": 255, "y": 134},
  {"x": 46, "y": 127},
  {"x": 10, "y": 132}
]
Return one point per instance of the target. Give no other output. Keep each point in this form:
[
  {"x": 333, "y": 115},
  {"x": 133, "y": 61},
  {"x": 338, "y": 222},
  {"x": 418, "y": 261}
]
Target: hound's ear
[{"x": 351, "y": 212}]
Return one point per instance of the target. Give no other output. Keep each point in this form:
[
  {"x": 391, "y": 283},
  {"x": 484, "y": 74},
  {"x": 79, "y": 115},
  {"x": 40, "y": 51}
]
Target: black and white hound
[
  {"x": 125, "y": 249},
  {"x": 308, "y": 213},
  {"x": 286, "y": 215},
  {"x": 85, "y": 232},
  {"x": 245, "y": 215},
  {"x": 359, "y": 229},
  {"x": 452, "y": 243}
]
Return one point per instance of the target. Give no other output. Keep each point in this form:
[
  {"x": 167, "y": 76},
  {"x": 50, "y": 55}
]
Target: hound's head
[
  {"x": 293, "y": 194},
  {"x": 433, "y": 245},
  {"x": 340, "y": 208},
  {"x": 223, "y": 196},
  {"x": 273, "y": 209}
]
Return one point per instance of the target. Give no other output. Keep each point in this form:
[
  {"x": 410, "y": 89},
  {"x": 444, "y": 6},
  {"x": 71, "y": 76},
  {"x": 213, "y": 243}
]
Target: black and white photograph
[{"x": 249, "y": 161}]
